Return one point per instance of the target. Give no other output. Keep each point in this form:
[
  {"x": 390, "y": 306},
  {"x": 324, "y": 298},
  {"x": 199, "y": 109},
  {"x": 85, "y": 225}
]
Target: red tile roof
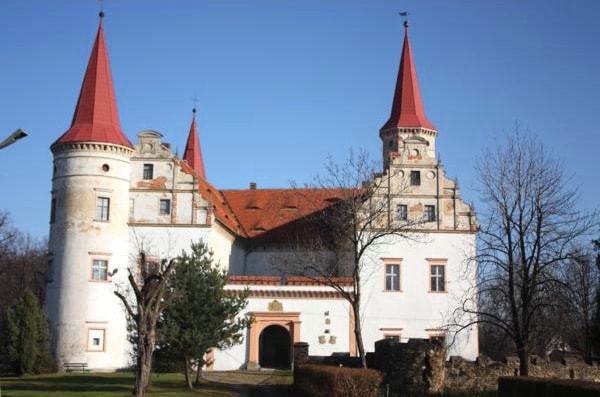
[
  {"x": 193, "y": 151},
  {"x": 96, "y": 118},
  {"x": 407, "y": 108},
  {"x": 266, "y": 213}
]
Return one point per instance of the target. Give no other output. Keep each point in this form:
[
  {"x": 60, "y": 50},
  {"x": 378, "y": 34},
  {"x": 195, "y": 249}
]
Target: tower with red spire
[
  {"x": 193, "y": 151},
  {"x": 89, "y": 235},
  {"x": 407, "y": 120}
]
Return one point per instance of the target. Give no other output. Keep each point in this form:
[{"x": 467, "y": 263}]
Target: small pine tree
[
  {"x": 26, "y": 336},
  {"x": 202, "y": 315}
]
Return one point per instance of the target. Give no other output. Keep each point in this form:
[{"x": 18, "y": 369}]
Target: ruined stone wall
[
  {"x": 414, "y": 366},
  {"x": 483, "y": 374}
]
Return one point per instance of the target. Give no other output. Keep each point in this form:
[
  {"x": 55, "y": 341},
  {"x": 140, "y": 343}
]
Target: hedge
[
  {"x": 522, "y": 386},
  {"x": 328, "y": 381}
]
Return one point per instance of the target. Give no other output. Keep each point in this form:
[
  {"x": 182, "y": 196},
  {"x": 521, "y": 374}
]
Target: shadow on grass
[
  {"x": 70, "y": 383},
  {"x": 120, "y": 384}
]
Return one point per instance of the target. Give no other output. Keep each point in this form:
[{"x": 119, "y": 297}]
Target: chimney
[{"x": 252, "y": 185}]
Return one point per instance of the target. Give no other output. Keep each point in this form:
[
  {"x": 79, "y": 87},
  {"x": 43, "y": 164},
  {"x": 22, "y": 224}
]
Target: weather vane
[
  {"x": 405, "y": 15},
  {"x": 195, "y": 100}
]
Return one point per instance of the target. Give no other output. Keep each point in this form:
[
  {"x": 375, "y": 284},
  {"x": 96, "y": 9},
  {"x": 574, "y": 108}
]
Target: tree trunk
[
  {"x": 523, "y": 361},
  {"x": 198, "y": 373},
  {"x": 358, "y": 334},
  {"x": 187, "y": 367},
  {"x": 144, "y": 364}
]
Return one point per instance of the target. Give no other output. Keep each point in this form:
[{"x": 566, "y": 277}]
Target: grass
[{"x": 216, "y": 384}]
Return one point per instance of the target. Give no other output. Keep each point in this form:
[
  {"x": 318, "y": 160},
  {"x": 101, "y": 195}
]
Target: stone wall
[
  {"x": 483, "y": 374},
  {"x": 414, "y": 366}
]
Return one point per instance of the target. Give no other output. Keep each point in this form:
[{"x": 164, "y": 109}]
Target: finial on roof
[
  {"x": 194, "y": 110},
  {"x": 405, "y": 15},
  {"x": 101, "y": 13}
]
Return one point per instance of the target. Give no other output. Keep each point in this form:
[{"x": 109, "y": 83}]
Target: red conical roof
[
  {"x": 193, "y": 152},
  {"x": 407, "y": 109},
  {"x": 96, "y": 118}
]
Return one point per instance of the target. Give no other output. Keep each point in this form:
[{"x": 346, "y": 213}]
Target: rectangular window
[
  {"x": 415, "y": 178},
  {"x": 165, "y": 206},
  {"x": 430, "y": 213},
  {"x": 148, "y": 171},
  {"x": 99, "y": 270},
  {"x": 102, "y": 208},
  {"x": 438, "y": 278},
  {"x": 96, "y": 340},
  {"x": 392, "y": 277},
  {"x": 401, "y": 212}
]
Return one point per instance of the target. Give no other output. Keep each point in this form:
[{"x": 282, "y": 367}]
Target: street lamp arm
[{"x": 15, "y": 136}]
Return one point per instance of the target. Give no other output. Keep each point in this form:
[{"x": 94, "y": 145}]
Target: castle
[{"x": 111, "y": 198}]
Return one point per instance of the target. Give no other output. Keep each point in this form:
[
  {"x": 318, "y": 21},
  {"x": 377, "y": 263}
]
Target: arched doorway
[{"x": 275, "y": 347}]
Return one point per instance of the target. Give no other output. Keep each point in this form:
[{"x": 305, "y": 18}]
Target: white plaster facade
[{"x": 110, "y": 201}]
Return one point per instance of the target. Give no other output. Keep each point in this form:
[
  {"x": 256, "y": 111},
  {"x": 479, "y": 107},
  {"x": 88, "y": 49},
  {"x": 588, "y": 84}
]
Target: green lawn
[{"x": 217, "y": 384}]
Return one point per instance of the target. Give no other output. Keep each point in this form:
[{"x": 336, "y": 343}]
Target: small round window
[{"x": 105, "y": 167}]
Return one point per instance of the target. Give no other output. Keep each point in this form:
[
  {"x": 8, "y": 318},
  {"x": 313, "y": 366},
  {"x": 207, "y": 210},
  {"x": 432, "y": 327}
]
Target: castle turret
[
  {"x": 88, "y": 226},
  {"x": 407, "y": 118}
]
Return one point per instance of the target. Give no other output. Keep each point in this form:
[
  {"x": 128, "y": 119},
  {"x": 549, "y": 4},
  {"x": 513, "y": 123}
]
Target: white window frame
[
  {"x": 436, "y": 263},
  {"x": 392, "y": 276},
  {"x": 95, "y": 269}
]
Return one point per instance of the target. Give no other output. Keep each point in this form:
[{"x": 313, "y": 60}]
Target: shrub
[{"x": 326, "y": 381}]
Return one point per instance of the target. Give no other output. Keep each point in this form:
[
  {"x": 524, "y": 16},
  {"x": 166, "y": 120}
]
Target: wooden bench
[{"x": 70, "y": 367}]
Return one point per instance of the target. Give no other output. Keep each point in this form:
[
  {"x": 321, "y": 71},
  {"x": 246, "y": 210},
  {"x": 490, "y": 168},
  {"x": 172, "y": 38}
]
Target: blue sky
[{"x": 282, "y": 84}]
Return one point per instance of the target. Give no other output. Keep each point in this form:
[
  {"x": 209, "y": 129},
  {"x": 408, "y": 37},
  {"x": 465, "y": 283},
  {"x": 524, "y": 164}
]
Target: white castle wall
[
  {"x": 415, "y": 311},
  {"x": 75, "y": 303},
  {"x": 313, "y": 315}
]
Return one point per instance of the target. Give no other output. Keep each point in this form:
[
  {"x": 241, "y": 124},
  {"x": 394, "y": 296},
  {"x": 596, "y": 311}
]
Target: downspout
[{"x": 437, "y": 175}]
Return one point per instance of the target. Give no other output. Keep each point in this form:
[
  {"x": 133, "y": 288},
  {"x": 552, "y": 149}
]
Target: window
[
  {"x": 102, "y": 208},
  {"x": 401, "y": 212},
  {"x": 430, "y": 213},
  {"x": 165, "y": 206},
  {"x": 99, "y": 269},
  {"x": 438, "y": 279},
  {"x": 96, "y": 340},
  {"x": 53, "y": 210},
  {"x": 392, "y": 277},
  {"x": 415, "y": 178},
  {"x": 148, "y": 171}
]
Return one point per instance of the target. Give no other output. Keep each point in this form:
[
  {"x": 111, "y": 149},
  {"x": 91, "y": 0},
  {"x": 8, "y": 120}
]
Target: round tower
[{"x": 88, "y": 226}]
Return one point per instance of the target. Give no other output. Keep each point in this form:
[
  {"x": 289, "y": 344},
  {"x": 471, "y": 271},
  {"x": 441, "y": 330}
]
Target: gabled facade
[{"x": 111, "y": 199}]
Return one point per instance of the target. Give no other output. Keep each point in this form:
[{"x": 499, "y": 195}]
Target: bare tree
[
  {"x": 530, "y": 226},
  {"x": 351, "y": 218},
  {"x": 580, "y": 276},
  {"x": 149, "y": 284},
  {"x": 23, "y": 263}
]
